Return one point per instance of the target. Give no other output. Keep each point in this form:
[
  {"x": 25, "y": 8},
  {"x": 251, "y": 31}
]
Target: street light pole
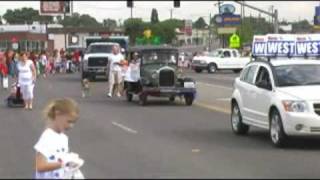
[{"x": 210, "y": 32}]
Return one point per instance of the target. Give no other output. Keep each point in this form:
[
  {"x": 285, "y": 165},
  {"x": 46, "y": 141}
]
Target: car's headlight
[
  {"x": 295, "y": 106},
  {"x": 154, "y": 75}
]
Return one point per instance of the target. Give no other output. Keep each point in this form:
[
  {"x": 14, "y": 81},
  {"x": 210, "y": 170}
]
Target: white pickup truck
[{"x": 220, "y": 59}]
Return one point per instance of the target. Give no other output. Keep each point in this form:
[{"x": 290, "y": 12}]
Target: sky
[{"x": 288, "y": 10}]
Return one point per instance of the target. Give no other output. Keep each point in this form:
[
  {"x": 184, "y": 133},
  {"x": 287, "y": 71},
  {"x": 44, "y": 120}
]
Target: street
[{"x": 118, "y": 139}]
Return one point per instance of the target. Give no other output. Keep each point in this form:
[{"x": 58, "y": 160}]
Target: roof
[
  {"x": 293, "y": 61},
  {"x": 83, "y": 30},
  {"x": 152, "y": 47},
  {"x": 103, "y": 43}
]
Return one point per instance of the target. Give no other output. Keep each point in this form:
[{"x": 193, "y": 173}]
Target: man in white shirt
[{"x": 115, "y": 76}]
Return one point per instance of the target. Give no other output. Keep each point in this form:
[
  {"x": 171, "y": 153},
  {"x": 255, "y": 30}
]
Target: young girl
[{"x": 52, "y": 147}]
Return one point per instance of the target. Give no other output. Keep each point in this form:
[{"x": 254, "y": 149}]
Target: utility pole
[
  {"x": 64, "y": 27},
  {"x": 210, "y": 32},
  {"x": 171, "y": 10},
  {"x": 131, "y": 12}
]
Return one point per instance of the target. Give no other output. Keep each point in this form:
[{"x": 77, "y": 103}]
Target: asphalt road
[{"x": 118, "y": 139}]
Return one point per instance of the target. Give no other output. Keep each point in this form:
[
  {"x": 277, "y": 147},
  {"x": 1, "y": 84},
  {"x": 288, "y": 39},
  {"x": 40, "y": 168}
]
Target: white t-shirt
[
  {"x": 52, "y": 145},
  {"x": 43, "y": 60},
  {"x": 115, "y": 59},
  {"x": 133, "y": 72},
  {"x": 25, "y": 72}
]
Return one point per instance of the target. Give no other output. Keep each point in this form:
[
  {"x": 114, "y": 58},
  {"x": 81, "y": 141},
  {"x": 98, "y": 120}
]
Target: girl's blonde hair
[{"x": 63, "y": 106}]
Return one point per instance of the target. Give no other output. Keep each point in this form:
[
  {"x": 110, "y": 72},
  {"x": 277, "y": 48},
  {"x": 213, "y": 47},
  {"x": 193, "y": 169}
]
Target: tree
[
  {"x": 166, "y": 29},
  {"x": 25, "y": 15},
  {"x": 1, "y": 20},
  {"x": 134, "y": 27},
  {"x": 109, "y": 23},
  {"x": 200, "y": 23},
  {"x": 301, "y": 26},
  {"x": 154, "y": 16},
  {"x": 77, "y": 20}
]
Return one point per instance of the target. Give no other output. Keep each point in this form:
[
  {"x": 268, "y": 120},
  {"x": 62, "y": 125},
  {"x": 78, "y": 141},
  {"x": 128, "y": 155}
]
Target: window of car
[
  {"x": 226, "y": 54},
  {"x": 248, "y": 74},
  {"x": 263, "y": 75},
  {"x": 234, "y": 53}
]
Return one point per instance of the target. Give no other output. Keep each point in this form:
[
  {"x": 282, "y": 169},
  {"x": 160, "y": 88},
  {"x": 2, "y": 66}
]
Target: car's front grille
[
  {"x": 316, "y": 108},
  {"x": 166, "y": 77},
  {"x": 196, "y": 62},
  {"x": 314, "y": 129},
  {"x": 97, "y": 61}
]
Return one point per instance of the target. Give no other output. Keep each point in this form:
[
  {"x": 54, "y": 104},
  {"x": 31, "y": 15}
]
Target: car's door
[
  {"x": 245, "y": 87},
  {"x": 261, "y": 96},
  {"x": 234, "y": 60},
  {"x": 225, "y": 60}
]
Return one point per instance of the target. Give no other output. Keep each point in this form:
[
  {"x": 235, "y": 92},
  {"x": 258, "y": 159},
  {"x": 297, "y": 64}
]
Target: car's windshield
[
  {"x": 298, "y": 75},
  {"x": 100, "y": 49},
  {"x": 159, "y": 57},
  {"x": 215, "y": 53}
]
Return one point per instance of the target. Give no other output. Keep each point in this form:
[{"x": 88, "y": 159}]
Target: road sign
[
  {"x": 227, "y": 9},
  {"x": 54, "y": 8},
  {"x": 147, "y": 33},
  {"x": 234, "y": 41}
]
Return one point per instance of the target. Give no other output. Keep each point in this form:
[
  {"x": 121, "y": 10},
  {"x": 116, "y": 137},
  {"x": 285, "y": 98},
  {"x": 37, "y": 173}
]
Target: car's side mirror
[{"x": 264, "y": 85}]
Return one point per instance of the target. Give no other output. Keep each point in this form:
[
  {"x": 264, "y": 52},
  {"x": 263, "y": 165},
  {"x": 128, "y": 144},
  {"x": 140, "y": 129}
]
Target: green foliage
[
  {"x": 1, "y": 20},
  {"x": 25, "y": 15},
  {"x": 109, "y": 23},
  {"x": 77, "y": 20},
  {"x": 134, "y": 27},
  {"x": 301, "y": 26},
  {"x": 200, "y": 23},
  {"x": 154, "y": 16}
]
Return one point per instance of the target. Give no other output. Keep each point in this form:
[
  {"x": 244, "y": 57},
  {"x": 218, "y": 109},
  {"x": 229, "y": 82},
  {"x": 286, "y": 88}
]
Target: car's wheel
[
  {"x": 188, "y": 99},
  {"x": 172, "y": 98},
  {"x": 129, "y": 96},
  {"x": 277, "y": 134},
  {"x": 198, "y": 70},
  {"x": 238, "y": 127},
  {"x": 212, "y": 68},
  {"x": 142, "y": 99},
  {"x": 237, "y": 70}
]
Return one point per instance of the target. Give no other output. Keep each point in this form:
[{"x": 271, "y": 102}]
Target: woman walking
[{"x": 26, "y": 79}]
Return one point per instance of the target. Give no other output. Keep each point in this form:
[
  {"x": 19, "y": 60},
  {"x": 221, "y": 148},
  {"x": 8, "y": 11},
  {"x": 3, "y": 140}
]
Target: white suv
[{"x": 281, "y": 95}]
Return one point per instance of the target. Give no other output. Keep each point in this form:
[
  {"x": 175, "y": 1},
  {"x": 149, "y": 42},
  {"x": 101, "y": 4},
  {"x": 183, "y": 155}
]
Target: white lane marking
[
  {"x": 223, "y": 99},
  {"x": 223, "y": 78},
  {"x": 124, "y": 127},
  {"x": 211, "y": 85},
  {"x": 211, "y": 107}
]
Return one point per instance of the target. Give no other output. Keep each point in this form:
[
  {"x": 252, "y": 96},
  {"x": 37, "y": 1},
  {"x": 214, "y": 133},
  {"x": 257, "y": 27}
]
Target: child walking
[{"x": 53, "y": 159}]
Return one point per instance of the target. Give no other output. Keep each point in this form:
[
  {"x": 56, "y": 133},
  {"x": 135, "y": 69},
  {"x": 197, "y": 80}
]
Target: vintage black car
[{"x": 159, "y": 75}]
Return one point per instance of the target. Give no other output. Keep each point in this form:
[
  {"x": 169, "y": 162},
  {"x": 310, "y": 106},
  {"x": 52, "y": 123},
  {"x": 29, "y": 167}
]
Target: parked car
[
  {"x": 220, "y": 59},
  {"x": 280, "y": 95},
  {"x": 159, "y": 75}
]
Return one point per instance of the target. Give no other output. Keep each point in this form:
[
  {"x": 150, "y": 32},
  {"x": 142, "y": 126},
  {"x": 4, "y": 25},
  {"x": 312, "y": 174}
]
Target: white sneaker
[{"x": 109, "y": 95}]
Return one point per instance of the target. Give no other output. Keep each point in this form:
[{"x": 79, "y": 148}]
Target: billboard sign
[
  {"x": 293, "y": 45},
  {"x": 54, "y": 8},
  {"x": 227, "y": 19}
]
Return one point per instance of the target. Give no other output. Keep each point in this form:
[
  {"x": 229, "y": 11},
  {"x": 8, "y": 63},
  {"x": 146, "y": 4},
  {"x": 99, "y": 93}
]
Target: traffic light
[
  {"x": 129, "y": 3},
  {"x": 67, "y": 7},
  {"x": 176, "y": 3}
]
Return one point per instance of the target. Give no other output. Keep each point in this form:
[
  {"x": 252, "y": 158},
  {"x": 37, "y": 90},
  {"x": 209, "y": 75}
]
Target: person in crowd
[
  {"x": 43, "y": 63},
  {"x": 3, "y": 71},
  {"x": 26, "y": 79},
  {"x": 115, "y": 71},
  {"x": 132, "y": 76},
  {"x": 52, "y": 158}
]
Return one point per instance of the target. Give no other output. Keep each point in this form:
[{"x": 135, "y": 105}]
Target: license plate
[{"x": 189, "y": 85}]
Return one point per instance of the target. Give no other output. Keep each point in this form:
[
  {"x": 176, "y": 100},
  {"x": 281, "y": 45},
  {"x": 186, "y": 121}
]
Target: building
[{"x": 24, "y": 37}]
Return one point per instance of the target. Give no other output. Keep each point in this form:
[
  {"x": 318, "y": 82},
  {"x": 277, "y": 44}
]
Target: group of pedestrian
[{"x": 121, "y": 71}]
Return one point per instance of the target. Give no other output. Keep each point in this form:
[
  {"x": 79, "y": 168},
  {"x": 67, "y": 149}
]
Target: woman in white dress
[{"x": 26, "y": 79}]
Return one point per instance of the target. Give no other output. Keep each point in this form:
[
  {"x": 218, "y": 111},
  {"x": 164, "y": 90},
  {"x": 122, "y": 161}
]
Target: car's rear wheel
[
  {"x": 142, "y": 99},
  {"x": 212, "y": 68},
  {"x": 198, "y": 70},
  {"x": 172, "y": 98},
  {"x": 188, "y": 99},
  {"x": 238, "y": 127},
  {"x": 277, "y": 134}
]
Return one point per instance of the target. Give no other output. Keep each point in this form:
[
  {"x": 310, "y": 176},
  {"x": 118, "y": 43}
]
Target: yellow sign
[
  {"x": 147, "y": 33},
  {"x": 234, "y": 41}
]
